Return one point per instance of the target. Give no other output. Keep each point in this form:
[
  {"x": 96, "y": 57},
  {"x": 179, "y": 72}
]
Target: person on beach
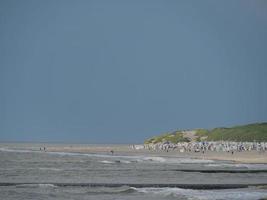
[{"x": 112, "y": 152}]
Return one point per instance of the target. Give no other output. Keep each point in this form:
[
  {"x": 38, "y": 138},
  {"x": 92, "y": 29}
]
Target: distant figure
[
  {"x": 40, "y": 149},
  {"x": 44, "y": 148},
  {"x": 112, "y": 152},
  {"x": 232, "y": 152}
]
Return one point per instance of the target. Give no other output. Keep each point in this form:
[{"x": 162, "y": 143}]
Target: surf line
[
  {"x": 223, "y": 171},
  {"x": 142, "y": 185},
  {"x": 186, "y": 170}
]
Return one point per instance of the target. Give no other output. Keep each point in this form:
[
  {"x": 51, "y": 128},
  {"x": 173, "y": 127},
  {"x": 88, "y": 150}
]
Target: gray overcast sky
[{"x": 122, "y": 71}]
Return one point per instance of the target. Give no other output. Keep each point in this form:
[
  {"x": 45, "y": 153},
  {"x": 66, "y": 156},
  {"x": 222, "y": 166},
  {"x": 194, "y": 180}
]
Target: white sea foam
[
  {"x": 49, "y": 169},
  {"x": 225, "y": 165},
  {"x": 16, "y": 150},
  {"x": 151, "y": 159},
  {"x": 106, "y": 162},
  {"x": 174, "y": 160},
  {"x": 39, "y": 185},
  {"x": 47, "y": 185},
  {"x": 246, "y": 166},
  {"x": 154, "y": 159},
  {"x": 122, "y": 158},
  {"x": 234, "y": 194}
]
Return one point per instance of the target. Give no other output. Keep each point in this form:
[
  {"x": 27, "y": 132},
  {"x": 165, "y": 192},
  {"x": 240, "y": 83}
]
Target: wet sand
[
  {"x": 27, "y": 172},
  {"x": 238, "y": 157}
]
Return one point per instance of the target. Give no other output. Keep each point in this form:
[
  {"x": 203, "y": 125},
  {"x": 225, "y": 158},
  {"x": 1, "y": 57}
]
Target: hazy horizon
[
  {"x": 107, "y": 142},
  {"x": 123, "y": 71}
]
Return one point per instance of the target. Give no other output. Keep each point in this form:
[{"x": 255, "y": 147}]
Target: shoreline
[
  {"x": 252, "y": 157},
  {"x": 245, "y": 157}
]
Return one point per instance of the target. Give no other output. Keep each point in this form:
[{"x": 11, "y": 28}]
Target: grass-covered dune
[
  {"x": 173, "y": 137},
  {"x": 249, "y": 133}
]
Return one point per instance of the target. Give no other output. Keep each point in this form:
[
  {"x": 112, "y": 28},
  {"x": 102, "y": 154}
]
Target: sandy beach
[
  {"x": 238, "y": 157},
  {"x": 89, "y": 171}
]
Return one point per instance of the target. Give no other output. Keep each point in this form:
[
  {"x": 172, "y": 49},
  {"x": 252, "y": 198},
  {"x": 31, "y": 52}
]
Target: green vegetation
[
  {"x": 202, "y": 134},
  {"x": 174, "y": 137},
  {"x": 249, "y": 133}
]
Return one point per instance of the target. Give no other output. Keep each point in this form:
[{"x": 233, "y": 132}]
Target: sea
[{"x": 26, "y": 172}]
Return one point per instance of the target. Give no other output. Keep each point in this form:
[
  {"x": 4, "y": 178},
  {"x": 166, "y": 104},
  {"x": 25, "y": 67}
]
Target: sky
[{"x": 123, "y": 71}]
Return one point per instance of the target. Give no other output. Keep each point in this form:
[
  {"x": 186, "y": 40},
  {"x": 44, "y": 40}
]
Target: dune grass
[
  {"x": 246, "y": 133},
  {"x": 251, "y": 132},
  {"x": 173, "y": 137}
]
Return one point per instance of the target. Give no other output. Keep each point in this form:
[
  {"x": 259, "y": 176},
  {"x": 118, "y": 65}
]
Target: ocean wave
[
  {"x": 16, "y": 150},
  {"x": 234, "y": 194},
  {"x": 174, "y": 160},
  {"x": 120, "y": 158},
  {"x": 49, "y": 169},
  {"x": 116, "y": 161},
  {"x": 111, "y": 190},
  {"x": 144, "y": 185},
  {"x": 106, "y": 162},
  {"x": 251, "y": 193},
  {"x": 38, "y": 185},
  {"x": 154, "y": 159},
  {"x": 235, "y": 165}
]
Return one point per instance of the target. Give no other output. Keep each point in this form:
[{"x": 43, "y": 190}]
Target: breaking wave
[
  {"x": 119, "y": 158},
  {"x": 38, "y": 185},
  {"x": 111, "y": 190},
  {"x": 166, "y": 192},
  {"x": 238, "y": 165},
  {"x": 234, "y": 194}
]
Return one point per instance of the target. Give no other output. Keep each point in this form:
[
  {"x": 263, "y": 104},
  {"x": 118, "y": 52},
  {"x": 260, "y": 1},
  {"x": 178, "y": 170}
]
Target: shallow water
[{"x": 41, "y": 175}]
